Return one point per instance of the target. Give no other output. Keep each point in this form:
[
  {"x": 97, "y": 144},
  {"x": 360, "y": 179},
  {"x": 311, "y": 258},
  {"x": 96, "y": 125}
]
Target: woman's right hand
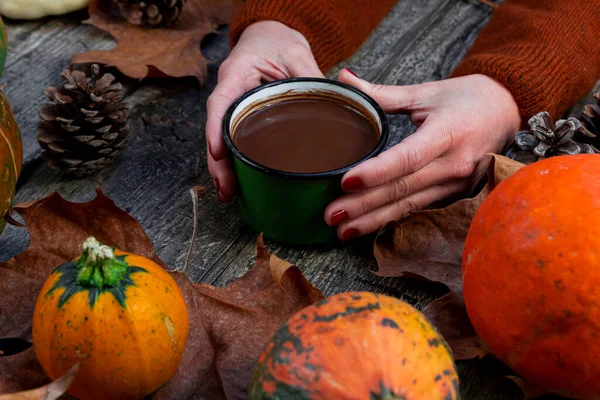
[{"x": 267, "y": 51}]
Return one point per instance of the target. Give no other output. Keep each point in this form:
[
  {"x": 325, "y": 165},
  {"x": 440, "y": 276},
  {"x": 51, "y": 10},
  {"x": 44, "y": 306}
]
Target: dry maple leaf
[
  {"x": 229, "y": 326},
  {"x": 145, "y": 52},
  {"x": 428, "y": 245}
]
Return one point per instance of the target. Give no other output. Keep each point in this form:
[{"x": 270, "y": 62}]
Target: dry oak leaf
[
  {"x": 146, "y": 52},
  {"x": 229, "y": 326},
  {"x": 428, "y": 245}
]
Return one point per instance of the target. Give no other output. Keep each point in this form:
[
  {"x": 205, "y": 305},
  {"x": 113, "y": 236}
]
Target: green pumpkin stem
[{"x": 98, "y": 266}]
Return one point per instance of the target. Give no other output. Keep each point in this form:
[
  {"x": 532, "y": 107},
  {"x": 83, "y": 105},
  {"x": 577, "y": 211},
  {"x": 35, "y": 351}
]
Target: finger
[
  {"x": 431, "y": 141},
  {"x": 304, "y": 67},
  {"x": 234, "y": 81},
  {"x": 224, "y": 178},
  {"x": 418, "y": 117},
  {"x": 377, "y": 218},
  {"x": 393, "y": 99},
  {"x": 354, "y": 205}
]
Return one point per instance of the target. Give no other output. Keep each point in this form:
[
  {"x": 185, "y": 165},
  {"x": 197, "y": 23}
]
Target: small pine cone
[
  {"x": 547, "y": 139},
  {"x": 151, "y": 13},
  {"x": 85, "y": 127},
  {"x": 590, "y": 124}
]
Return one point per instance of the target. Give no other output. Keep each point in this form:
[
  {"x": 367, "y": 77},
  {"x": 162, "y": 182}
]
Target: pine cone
[
  {"x": 547, "y": 140},
  {"x": 85, "y": 128},
  {"x": 151, "y": 13},
  {"x": 590, "y": 124}
]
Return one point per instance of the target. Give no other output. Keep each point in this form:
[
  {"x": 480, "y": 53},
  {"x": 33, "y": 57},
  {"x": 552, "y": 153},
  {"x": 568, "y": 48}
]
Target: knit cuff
[
  {"x": 312, "y": 18},
  {"x": 538, "y": 79}
]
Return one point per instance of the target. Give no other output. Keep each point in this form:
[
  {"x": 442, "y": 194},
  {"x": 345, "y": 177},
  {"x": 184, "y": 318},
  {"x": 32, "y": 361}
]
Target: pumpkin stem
[{"x": 98, "y": 266}]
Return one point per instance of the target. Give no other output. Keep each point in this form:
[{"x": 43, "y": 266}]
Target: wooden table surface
[{"x": 418, "y": 41}]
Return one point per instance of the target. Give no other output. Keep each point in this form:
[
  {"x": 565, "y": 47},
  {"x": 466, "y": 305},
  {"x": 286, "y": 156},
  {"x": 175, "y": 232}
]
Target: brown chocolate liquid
[{"x": 306, "y": 135}]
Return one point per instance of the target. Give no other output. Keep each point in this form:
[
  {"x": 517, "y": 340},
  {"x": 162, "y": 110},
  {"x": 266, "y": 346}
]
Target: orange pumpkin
[
  {"x": 531, "y": 267},
  {"x": 120, "y": 315},
  {"x": 11, "y": 152},
  {"x": 356, "y": 346}
]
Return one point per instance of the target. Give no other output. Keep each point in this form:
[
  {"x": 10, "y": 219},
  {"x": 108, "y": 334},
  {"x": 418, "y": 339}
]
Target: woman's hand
[
  {"x": 266, "y": 51},
  {"x": 460, "y": 120}
]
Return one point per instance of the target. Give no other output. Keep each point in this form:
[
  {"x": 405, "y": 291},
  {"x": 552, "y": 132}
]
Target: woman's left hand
[{"x": 459, "y": 119}]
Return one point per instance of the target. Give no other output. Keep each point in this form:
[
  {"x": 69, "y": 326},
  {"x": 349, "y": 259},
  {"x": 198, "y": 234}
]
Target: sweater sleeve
[
  {"x": 334, "y": 28},
  {"x": 546, "y": 52}
]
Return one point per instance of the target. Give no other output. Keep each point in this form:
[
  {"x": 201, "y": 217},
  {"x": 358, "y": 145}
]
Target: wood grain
[{"x": 419, "y": 41}]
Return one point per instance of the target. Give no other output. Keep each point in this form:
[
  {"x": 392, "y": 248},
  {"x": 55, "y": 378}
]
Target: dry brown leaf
[
  {"x": 501, "y": 168},
  {"x": 21, "y": 372},
  {"x": 428, "y": 245},
  {"x": 146, "y": 52},
  {"x": 229, "y": 326},
  {"x": 52, "y": 391},
  {"x": 56, "y": 230},
  {"x": 449, "y": 315}
]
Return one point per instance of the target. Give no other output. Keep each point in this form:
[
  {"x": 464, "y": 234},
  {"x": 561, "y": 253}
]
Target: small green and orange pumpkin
[
  {"x": 356, "y": 345},
  {"x": 121, "y": 316}
]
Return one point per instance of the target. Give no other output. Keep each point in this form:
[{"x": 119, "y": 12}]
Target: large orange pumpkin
[
  {"x": 531, "y": 267},
  {"x": 11, "y": 153},
  {"x": 356, "y": 346},
  {"x": 120, "y": 315}
]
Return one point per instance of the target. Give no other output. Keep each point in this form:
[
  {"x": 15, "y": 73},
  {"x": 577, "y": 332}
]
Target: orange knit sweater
[{"x": 546, "y": 52}]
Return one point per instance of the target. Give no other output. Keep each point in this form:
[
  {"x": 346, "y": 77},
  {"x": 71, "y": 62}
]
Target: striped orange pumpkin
[
  {"x": 11, "y": 156},
  {"x": 356, "y": 345}
]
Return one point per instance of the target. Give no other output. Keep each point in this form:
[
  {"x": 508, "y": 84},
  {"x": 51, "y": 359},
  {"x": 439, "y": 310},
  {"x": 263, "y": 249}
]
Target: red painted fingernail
[
  {"x": 338, "y": 217},
  {"x": 352, "y": 72},
  {"x": 350, "y": 234},
  {"x": 220, "y": 195},
  {"x": 352, "y": 184},
  {"x": 222, "y": 198}
]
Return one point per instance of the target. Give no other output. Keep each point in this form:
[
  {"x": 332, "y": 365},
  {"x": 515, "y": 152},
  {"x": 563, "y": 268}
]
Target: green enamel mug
[{"x": 289, "y": 207}]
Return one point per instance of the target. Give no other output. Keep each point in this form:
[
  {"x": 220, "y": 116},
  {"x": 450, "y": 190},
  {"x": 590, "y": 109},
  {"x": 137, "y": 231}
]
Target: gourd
[
  {"x": 32, "y": 9},
  {"x": 120, "y": 315},
  {"x": 356, "y": 345},
  {"x": 11, "y": 155},
  {"x": 531, "y": 268}
]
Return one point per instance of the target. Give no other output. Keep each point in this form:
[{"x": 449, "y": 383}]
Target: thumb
[{"x": 393, "y": 99}]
